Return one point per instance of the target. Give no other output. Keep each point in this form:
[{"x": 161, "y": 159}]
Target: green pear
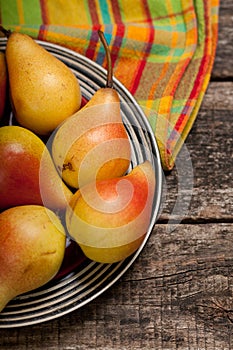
[
  {"x": 93, "y": 143},
  {"x": 44, "y": 91},
  {"x": 27, "y": 172},
  {"x": 32, "y": 248}
]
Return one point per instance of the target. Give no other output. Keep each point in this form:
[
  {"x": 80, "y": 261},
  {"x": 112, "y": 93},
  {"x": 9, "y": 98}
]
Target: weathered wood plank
[
  {"x": 222, "y": 69},
  {"x": 210, "y": 145},
  {"x": 177, "y": 295},
  {"x": 219, "y": 96}
]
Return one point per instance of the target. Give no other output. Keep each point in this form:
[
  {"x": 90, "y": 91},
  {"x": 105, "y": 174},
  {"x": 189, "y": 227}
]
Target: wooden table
[{"x": 179, "y": 292}]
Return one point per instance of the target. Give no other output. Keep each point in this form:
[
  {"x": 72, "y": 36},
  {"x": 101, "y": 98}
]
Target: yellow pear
[
  {"x": 32, "y": 248},
  {"x": 110, "y": 218},
  {"x": 44, "y": 91},
  {"x": 93, "y": 143}
]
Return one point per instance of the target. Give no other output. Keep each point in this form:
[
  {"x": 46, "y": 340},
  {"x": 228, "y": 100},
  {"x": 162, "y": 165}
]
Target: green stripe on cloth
[
  {"x": 9, "y": 12},
  {"x": 31, "y": 11},
  {"x": 168, "y": 46},
  {"x": 21, "y": 11}
]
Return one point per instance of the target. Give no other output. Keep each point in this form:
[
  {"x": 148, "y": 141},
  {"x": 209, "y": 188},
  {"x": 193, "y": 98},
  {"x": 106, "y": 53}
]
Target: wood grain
[
  {"x": 179, "y": 292},
  {"x": 223, "y": 61},
  {"x": 210, "y": 177}
]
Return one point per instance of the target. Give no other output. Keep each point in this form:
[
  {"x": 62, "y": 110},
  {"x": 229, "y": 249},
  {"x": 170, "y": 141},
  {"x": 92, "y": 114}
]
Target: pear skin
[
  {"x": 110, "y": 218},
  {"x": 32, "y": 247},
  {"x": 3, "y": 84},
  {"x": 93, "y": 144},
  {"x": 44, "y": 91},
  {"x": 27, "y": 172}
]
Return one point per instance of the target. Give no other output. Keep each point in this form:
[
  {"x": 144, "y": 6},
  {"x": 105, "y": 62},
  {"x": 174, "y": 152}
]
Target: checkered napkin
[{"x": 162, "y": 51}]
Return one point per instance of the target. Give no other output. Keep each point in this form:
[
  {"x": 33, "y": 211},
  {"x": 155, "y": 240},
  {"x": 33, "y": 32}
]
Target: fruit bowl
[{"x": 80, "y": 280}]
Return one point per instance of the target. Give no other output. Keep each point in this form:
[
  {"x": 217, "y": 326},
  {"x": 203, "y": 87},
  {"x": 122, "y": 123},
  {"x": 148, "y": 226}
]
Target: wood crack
[
  {"x": 218, "y": 306},
  {"x": 176, "y": 274},
  {"x": 194, "y": 220}
]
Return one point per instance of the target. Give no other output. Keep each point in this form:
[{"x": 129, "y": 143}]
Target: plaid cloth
[{"x": 162, "y": 51}]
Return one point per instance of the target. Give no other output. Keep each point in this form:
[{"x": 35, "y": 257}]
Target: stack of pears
[{"x": 76, "y": 186}]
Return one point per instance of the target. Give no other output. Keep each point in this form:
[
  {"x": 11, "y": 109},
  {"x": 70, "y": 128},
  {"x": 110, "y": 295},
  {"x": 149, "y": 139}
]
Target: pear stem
[
  {"x": 109, "y": 82},
  {"x": 6, "y": 32}
]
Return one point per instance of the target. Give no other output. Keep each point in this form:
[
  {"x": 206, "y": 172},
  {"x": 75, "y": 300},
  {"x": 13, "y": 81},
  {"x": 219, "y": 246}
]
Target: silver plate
[{"x": 87, "y": 280}]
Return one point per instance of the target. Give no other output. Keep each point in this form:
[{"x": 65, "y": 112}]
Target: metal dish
[{"x": 83, "y": 280}]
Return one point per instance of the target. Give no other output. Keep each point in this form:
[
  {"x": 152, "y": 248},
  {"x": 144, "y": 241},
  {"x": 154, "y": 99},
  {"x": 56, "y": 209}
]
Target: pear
[
  {"x": 3, "y": 84},
  {"x": 93, "y": 143},
  {"x": 44, "y": 91},
  {"x": 27, "y": 172},
  {"x": 109, "y": 218},
  {"x": 32, "y": 248}
]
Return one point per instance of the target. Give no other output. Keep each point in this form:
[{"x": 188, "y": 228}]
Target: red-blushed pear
[
  {"x": 27, "y": 172},
  {"x": 109, "y": 219},
  {"x": 32, "y": 247},
  {"x": 93, "y": 144},
  {"x": 3, "y": 84},
  {"x": 44, "y": 91}
]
